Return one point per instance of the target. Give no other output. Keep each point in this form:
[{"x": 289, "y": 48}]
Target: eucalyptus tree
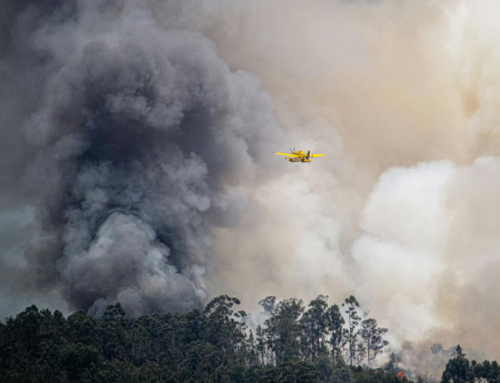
[
  {"x": 351, "y": 333},
  {"x": 335, "y": 329},
  {"x": 373, "y": 337},
  {"x": 314, "y": 323},
  {"x": 283, "y": 330}
]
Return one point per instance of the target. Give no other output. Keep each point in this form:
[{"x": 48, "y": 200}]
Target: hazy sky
[{"x": 136, "y": 158}]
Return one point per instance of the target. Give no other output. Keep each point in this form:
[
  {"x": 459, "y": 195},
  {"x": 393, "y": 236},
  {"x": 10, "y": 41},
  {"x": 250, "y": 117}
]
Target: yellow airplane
[{"x": 299, "y": 156}]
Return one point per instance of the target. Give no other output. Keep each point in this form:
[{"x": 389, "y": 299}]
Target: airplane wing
[
  {"x": 317, "y": 155},
  {"x": 288, "y": 154}
]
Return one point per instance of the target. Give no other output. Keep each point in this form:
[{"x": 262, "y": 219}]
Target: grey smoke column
[{"x": 136, "y": 131}]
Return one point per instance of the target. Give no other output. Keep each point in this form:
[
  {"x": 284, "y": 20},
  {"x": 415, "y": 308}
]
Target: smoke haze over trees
[
  {"x": 215, "y": 344},
  {"x": 295, "y": 344},
  {"x": 136, "y": 161}
]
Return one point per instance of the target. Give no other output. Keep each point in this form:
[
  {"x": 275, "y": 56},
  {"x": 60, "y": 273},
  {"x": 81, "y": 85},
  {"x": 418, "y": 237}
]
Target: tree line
[
  {"x": 296, "y": 343},
  {"x": 460, "y": 370},
  {"x": 295, "y": 332}
]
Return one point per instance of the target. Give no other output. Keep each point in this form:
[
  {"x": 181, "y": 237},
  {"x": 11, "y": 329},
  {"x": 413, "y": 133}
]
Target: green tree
[
  {"x": 83, "y": 328},
  {"x": 325, "y": 368},
  {"x": 283, "y": 330},
  {"x": 268, "y": 304},
  {"x": 335, "y": 328},
  {"x": 351, "y": 333},
  {"x": 458, "y": 353},
  {"x": 486, "y": 371},
  {"x": 145, "y": 336},
  {"x": 115, "y": 333},
  {"x": 291, "y": 372},
  {"x": 314, "y": 323},
  {"x": 373, "y": 337},
  {"x": 359, "y": 353},
  {"x": 253, "y": 352},
  {"x": 394, "y": 360},
  {"x": 457, "y": 368},
  {"x": 261, "y": 343},
  {"x": 341, "y": 373},
  {"x": 225, "y": 328},
  {"x": 76, "y": 359}
]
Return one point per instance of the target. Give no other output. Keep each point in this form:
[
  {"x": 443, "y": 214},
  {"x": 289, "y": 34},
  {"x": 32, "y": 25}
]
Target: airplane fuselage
[
  {"x": 299, "y": 156},
  {"x": 298, "y": 159},
  {"x": 302, "y": 157}
]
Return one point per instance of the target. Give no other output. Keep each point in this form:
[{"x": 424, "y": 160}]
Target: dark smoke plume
[
  {"x": 136, "y": 158},
  {"x": 130, "y": 136}
]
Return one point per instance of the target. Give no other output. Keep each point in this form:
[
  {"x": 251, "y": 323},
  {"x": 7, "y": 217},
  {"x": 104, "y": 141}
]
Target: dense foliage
[
  {"x": 295, "y": 344},
  {"x": 459, "y": 370}
]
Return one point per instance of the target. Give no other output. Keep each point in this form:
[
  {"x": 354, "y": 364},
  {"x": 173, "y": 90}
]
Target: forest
[{"x": 317, "y": 343}]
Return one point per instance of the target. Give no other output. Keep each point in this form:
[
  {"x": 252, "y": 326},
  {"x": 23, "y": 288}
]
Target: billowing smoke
[
  {"x": 135, "y": 134},
  {"x": 403, "y": 97},
  {"x": 136, "y": 158}
]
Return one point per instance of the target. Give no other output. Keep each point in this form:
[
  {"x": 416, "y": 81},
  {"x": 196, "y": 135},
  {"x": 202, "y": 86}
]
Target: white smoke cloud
[
  {"x": 400, "y": 253},
  {"x": 406, "y": 92},
  {"x": 428, "y": 253}
]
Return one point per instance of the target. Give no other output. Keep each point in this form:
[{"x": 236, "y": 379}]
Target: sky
[{"x": 136, "y": 158}]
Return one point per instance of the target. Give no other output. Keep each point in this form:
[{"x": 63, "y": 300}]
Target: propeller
[{"x": 292, "y": 150}]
